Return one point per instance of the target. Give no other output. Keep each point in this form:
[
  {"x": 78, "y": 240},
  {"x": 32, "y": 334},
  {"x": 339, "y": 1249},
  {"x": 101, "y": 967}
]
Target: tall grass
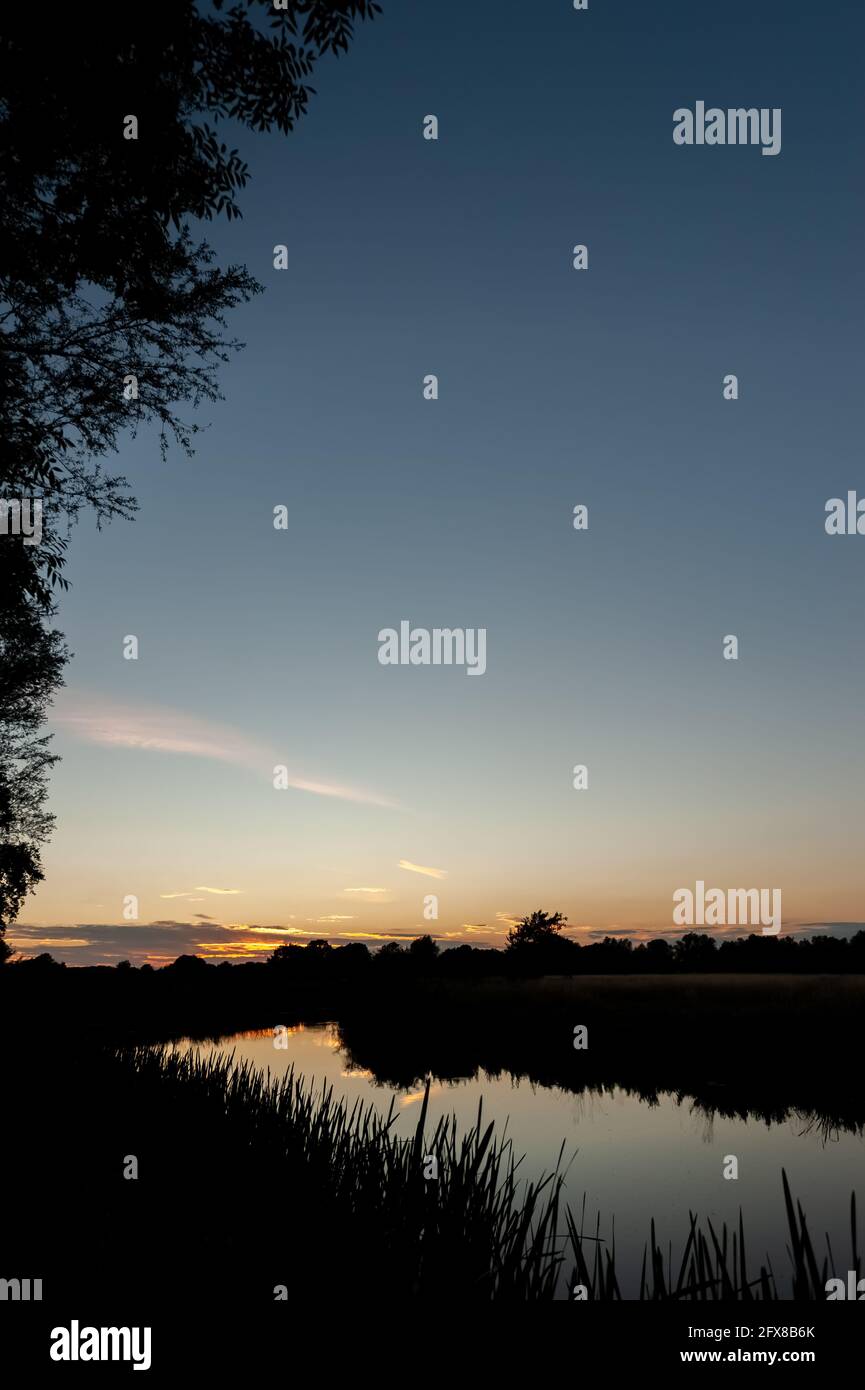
[
  {"x": 343, "y": 1186},
  {"x": 713, "y": 1265},
  {"x": 476, "y": 1227}
]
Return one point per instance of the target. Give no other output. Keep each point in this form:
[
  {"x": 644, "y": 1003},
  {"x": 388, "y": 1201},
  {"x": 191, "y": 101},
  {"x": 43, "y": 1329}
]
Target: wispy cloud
[
  {"x": 375, "y": 936},
  {"x": 158, "y": 730},
  {"x": 188, "y": 894},
  {"x": 152, "y": 729},
  {"x": 422, "y": 869},
  {"x": 474, "y": 929},
  {"x": 273, "y": 931},
  {"x": 344, "y": 793},
  {"x": 366, "y": 890},
  {"x": 21, "y": 938}
]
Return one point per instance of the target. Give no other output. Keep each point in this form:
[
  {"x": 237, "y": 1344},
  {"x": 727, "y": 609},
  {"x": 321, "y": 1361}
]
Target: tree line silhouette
[{"x": 534, "y": 947}]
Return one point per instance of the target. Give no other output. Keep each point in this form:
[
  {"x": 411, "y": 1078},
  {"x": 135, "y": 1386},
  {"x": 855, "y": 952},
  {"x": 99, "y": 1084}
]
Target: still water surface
[{"x": 633, "y": 1159}]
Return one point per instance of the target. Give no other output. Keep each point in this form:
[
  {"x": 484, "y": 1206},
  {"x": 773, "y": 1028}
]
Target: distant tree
[
  {"x": 467, "y": 960},
  {"x": 42, "y": 963},
  {"x": 354, "y": 955},
  {"x": 658, "y": 954},
  {"x": 284, "y": 954},
  {"x": 537, "y": 929},
  {"x": 611, "y": 955},
  {"x": 187, "y": 965},
  {"x": 391, "y": 950},
  {"x": 694, "y": 951},
  {"x": 319, "y": 948},
  {"x": 535, "y": 947},
  {"x": 423, "y": 951}
]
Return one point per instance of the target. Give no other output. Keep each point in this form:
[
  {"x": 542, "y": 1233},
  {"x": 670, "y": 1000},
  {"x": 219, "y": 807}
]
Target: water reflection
[{"x": 633, "y": 1151}]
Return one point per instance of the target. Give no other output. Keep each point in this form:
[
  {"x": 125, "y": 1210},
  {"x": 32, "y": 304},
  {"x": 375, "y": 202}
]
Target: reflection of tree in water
[
  {"x": 402, "y": 1062},
  {"x": 704, "y": 1121}
]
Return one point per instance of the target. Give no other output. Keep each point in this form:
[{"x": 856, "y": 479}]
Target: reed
[
  {"x": 713, "y": 1265},
  {"x": 350, "y": 1187}
]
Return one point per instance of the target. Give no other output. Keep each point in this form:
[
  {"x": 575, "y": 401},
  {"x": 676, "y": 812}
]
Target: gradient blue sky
[{"x": 556, "y": 387}]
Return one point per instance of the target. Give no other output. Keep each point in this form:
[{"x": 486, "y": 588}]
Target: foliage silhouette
[{"x": 106, "y": 278}]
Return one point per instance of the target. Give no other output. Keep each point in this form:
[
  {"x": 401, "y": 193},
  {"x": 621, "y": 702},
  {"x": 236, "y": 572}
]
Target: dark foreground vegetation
[
  {"x": 254, "y": 1186},
  {"x": 258, "y": 1189}
]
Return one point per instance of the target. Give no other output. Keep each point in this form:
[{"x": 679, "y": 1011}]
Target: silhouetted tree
[
  {"x": 659, "y": 954},
  {"x": 31, "y": 662},
  {"x": 354, "y": 957},
  {"x": 284, "y": 954},
  {"x": 390, "y": 955},
  {"x": 423, "y": 952},
  {"x": 694, "y": 951},
  {"x": 112, "y": 311},
  {"x": 187, "y": 966},
  {"x": 537, "y": 929},
  {"x": 42, "y": 963},
  {"x": 534, "y": 946}
]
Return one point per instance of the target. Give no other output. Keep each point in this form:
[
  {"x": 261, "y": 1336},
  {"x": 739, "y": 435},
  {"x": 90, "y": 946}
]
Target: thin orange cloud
[
  {"x": 233, "y": 948},
  {"x": 508, "y": 918},
  {"x": 422, "y": 869},
  {"x": 199, "y": 889},
  {"x": 46, "y": 940},
  {"x": 269, "y": 931},
  {"x": 374, "y": 935}
]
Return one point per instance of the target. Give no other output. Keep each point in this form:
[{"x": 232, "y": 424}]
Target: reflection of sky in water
[{"x": 632, "y": 1160}]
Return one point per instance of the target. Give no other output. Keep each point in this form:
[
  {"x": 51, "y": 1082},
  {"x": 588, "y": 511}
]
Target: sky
[{"x": 557, "y": 387}]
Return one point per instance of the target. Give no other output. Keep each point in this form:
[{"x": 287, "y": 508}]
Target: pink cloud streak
[{"x": 150, "y": 729}]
